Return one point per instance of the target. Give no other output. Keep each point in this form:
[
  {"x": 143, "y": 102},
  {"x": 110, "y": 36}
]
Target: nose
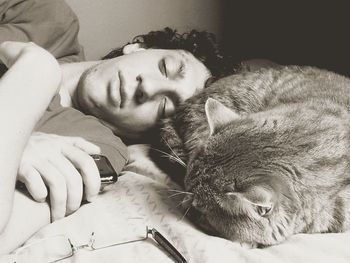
[{"x": 148, "y": 87}]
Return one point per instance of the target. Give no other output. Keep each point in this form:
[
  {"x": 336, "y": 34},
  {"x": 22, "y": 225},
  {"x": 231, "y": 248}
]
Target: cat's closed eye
[
  {"x": 264, "y": 210},
  {"x": 230, "y": 188}
]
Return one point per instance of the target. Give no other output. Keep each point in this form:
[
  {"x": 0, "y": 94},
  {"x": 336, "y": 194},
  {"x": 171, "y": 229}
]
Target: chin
[
  {"x": 120, "y": 132},
  {"x": 134, "y": 137}
]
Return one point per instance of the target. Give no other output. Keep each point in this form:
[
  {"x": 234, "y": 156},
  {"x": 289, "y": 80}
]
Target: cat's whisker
[
  {"x": 186, "y": 212},
  {"x": 176, "y": 194},
  {"x": 174, "y": 158},
  {"x": 174, "y": 153},
  {"x": 177, "y": 191},
  {"x": 183, "y": 202}
]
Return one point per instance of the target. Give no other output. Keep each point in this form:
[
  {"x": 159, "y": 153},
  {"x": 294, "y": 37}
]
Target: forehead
[
  {"x": 196, "y": 72},
  {"x": 186, "y": 56},
  {"x": 182, "y": 54}
]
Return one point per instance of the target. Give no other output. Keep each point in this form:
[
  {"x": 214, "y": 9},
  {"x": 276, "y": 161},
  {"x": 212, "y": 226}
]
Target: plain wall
[
  {"x": 106, "y": 24},
  {"x": 289, "y": 32}
]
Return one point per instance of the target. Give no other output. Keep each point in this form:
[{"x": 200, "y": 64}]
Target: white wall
[{"x": 105, "y": 24}]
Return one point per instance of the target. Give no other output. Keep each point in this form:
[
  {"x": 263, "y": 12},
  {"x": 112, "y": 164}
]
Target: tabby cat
[{"x": 266, "y": 154}]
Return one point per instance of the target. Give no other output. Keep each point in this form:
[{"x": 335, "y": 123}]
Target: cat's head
[{"x": 242, "y": 176}]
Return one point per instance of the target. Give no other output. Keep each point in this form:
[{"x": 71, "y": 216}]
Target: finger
[
  {"x": 88, "y": 170},
  {"x": 56, "y": 183},
  {"x": 85, "y": 145},
  {"x": 74, "y": 183},
  {"x": 34, "y": 183}
]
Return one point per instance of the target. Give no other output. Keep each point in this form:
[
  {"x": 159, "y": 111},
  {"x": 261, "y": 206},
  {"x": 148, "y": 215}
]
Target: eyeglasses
[{"x": 56, "y": 248}]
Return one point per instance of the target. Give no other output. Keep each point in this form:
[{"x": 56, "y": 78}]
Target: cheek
[
  {"x": 185, "y": 88},
  {"x": 136, "y": 119},
  {"x": 91, "y": 92}
]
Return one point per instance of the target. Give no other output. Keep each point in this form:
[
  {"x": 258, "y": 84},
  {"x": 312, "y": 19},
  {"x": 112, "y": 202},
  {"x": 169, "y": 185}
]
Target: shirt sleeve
[
  {"x": 67, "y": 121},
  {"x": 50, "y": 24}
]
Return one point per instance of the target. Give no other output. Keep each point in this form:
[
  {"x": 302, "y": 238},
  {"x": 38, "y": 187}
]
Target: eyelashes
[
  {"x": 163, "y": 68},
  {"x": 171, "y": 68},
  {"x": 182, "y": 70}
]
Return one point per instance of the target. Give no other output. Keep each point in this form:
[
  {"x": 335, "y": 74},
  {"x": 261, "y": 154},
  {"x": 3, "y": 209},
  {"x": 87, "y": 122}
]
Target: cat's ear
[{"x": 218, "y": 115}]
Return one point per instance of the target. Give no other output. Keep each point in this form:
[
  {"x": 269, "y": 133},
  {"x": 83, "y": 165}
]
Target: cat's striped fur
[{"x": 277, "y": 163}]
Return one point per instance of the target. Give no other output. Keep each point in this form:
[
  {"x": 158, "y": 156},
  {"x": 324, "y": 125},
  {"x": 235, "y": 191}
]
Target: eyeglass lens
[{"x": 45, "y": 250}]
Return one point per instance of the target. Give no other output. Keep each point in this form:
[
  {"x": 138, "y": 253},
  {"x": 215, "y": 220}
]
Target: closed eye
[
  {"x": 181, "y": 70},
  {"x": 163, "y": 67},
  {"x": 162, "y": 108},
  {"x": 230, "y": 188},
  {"x": 172, "y": 68}
]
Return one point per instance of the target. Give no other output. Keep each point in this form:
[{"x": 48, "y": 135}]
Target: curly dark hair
[{"x": 202, "y": 44}]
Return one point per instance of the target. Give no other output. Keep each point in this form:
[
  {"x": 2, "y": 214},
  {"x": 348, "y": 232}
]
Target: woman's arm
[{"x": 25, "y": 92}]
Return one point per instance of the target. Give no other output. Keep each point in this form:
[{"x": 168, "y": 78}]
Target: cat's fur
[{"x": 272, "y": 162}]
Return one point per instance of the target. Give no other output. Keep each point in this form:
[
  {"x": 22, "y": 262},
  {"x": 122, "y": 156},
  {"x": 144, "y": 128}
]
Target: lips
[
  {"x": 116, "y": 93},
  {"x": 121, "y": 89}
]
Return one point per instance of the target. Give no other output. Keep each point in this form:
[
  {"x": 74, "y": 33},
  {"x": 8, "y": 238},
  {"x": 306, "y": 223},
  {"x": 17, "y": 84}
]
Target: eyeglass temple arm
[{"x": 164, "y": 243}]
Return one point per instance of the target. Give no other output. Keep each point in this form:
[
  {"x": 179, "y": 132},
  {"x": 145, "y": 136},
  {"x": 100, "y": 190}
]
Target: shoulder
[{"x": 50, "y": 24}]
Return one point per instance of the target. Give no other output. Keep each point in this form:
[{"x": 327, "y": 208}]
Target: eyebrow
[
  {"x": 180, "y": 73},
  {"x": 185, "y": 53}
]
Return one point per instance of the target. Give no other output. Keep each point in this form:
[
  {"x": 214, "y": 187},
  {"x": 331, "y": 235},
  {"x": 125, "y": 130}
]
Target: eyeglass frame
[{"x": 156, "y": 235}]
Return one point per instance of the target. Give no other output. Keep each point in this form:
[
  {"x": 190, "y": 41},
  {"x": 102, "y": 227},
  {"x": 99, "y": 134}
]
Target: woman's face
[{"x": 131, "y": 92}]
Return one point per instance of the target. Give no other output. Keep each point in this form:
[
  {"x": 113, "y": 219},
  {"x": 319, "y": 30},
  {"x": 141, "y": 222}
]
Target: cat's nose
[
  {"x": 188, "y": 199},
  {"x": 198, "y": 205}
]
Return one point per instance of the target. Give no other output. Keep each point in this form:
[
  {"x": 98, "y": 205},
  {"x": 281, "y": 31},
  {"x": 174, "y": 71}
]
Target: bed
[
  {"x": 145, "y": 196},
  {"x": 144, "y": 192}
]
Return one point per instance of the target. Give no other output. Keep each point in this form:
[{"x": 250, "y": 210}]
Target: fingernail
[{"x": 41, "y": 200}]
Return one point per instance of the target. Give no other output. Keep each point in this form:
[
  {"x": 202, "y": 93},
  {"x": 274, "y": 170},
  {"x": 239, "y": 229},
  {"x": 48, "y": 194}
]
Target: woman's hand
[{"x": 64, "y": 165}]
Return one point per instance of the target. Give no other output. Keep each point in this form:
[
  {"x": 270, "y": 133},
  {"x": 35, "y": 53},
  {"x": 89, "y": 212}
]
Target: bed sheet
[{"x": 143, "y": 192}]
